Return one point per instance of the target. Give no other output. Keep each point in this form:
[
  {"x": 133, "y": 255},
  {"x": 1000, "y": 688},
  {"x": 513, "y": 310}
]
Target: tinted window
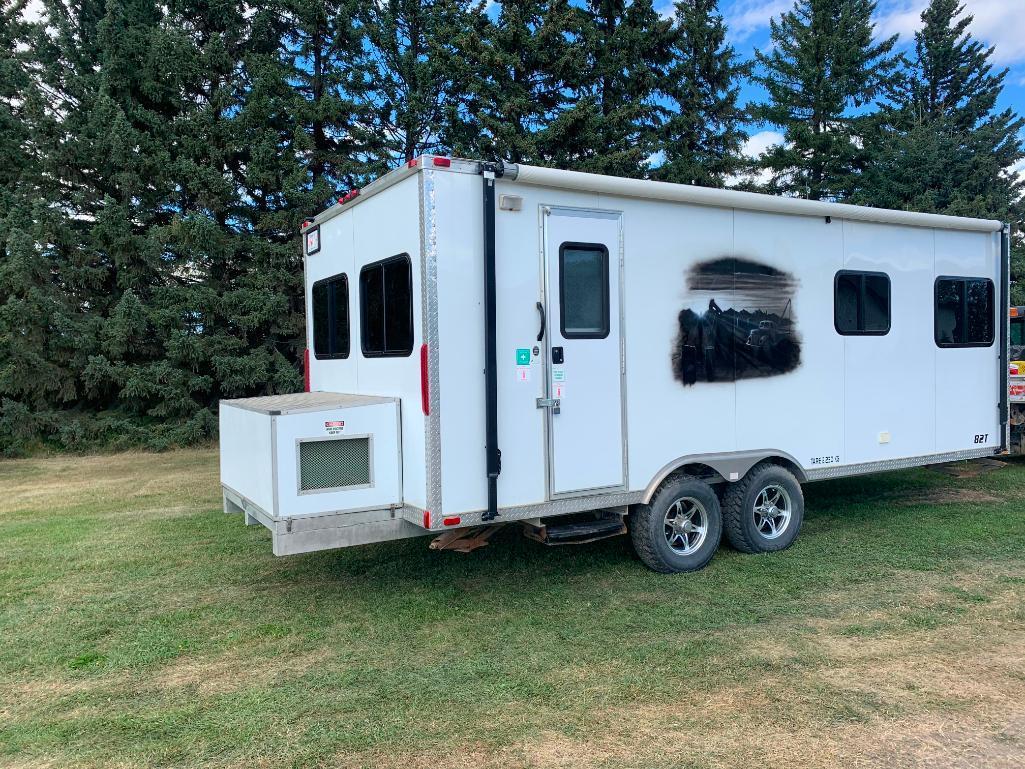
[
  {"x": 386, "y": 306},
  {"x": 331, "y": 317},
  {"x": 964, "y": 312},
  {"x": 862, "y": 303},
  {"x": 584, "y": 290}
]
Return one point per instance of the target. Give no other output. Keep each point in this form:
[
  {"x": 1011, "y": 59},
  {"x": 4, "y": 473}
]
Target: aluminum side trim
[{"x": 430, "y": 335}]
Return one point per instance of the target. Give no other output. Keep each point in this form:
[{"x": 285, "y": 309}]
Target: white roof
[
  {"x": 750, "y": 201},
  {"x": 680, "y": 193}
]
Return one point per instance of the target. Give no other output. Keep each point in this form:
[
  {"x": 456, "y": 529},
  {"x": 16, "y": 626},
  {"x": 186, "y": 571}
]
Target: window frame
[
  {"x": 862, "y": 274},
  {"x": 606, "y": 301},
  {"x": 964, "y": 279},
  {"x": 331, "y": 306},
  {"x": 381, "y": 264}
]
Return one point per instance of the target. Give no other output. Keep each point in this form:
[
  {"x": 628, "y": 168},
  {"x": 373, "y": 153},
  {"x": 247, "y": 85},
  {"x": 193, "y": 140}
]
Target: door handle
[
  {"x": 541, "y": 332},
  {"x": 555, "y": 404}
]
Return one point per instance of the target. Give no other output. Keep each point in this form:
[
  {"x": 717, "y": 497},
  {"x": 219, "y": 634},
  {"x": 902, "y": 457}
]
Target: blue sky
[{"x": 999, "y": 23}]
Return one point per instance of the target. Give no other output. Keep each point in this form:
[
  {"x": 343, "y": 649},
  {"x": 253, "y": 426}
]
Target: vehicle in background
[{"x": 1016, "y": 388}]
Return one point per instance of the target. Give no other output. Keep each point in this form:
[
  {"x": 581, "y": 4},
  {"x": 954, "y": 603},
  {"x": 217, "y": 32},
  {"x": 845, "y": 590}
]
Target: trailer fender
[{"x": 729, "y": 467}]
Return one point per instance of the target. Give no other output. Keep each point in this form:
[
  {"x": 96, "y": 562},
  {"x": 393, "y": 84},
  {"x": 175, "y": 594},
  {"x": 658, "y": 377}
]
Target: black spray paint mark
[{"x": 739, "y": 323}]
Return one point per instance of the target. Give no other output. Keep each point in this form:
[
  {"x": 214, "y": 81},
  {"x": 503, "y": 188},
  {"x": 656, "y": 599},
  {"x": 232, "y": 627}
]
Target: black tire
[
  {"x": 740, "y": 521},
  {"x": 648, "y": 526}
]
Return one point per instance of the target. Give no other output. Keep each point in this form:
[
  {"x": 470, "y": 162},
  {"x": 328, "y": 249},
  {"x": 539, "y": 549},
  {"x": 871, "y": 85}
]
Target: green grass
[{"x": 141, "y": 626}]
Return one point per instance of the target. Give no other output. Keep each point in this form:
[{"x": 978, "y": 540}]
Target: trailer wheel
[
  {"x": 763, "y": 511},
  {"x": 680, "y": 529}
]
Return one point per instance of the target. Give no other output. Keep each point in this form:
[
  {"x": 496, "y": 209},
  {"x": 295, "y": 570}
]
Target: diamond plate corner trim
[{"x": 429, "y": 321}]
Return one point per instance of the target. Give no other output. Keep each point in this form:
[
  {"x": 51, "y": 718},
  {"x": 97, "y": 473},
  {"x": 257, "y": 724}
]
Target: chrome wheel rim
[
  {"x": 685, "y": 526},
  {"x": 773, "y": 510}
]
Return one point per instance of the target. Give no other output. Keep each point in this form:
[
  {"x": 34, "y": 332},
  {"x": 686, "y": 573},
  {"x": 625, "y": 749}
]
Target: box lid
[{"x": 297, "y": 403}]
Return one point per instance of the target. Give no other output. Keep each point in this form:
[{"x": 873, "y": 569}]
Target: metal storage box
[{"x": 312, "y": 462}]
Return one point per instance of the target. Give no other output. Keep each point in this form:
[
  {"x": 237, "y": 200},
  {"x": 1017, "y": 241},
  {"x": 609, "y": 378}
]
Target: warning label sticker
[
  {"x": 558, "y": 375},
  {"x": 334, "y": 427}
]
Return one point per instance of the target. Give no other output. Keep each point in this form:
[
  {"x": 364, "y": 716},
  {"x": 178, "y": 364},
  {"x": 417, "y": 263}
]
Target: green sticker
[{"x": 523, "y": 356}]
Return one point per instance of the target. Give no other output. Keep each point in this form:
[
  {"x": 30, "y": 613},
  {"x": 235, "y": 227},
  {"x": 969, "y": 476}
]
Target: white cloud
[
  {"x": 1000, "y": 23},
  {"x": 761, "y": 141},
  {"x": 753, "y": 148},
  {"x": 748, "y": 16},
  {"x": 33, "y": 10},
  {"x": 1019, "y": 168},
  {"x": 997, "y": 22}
]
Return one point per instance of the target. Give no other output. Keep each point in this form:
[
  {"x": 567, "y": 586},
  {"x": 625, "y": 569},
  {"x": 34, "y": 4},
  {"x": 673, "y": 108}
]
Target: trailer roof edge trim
[
  {"x": 751, "y": 201},
  {"x": 668, "y": 191}
]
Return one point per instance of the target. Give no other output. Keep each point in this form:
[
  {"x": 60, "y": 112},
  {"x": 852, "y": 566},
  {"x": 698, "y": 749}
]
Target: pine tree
[
  {"x": 613, "y": 126},
  {"x": 942, "y": 145},
  {"x": 518, "y": 69},
  {"x": 328, "y": 72},
  {"x": 823, "y": 72},
  {"x": 416, "y": 82},
  {"x": 703, "y": 136}
]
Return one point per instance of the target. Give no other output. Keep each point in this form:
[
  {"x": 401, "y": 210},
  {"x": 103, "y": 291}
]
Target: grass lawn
[{"x": 140, "y": 626}]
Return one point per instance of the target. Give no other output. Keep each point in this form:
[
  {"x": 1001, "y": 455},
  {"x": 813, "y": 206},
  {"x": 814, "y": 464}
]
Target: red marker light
[
  {"x": 306, "y": 369},
  {"x": 427, "y": 519},
  {"x": 413, "y": 163},
  {"x": 425, "y": 385},
  {"x": 452, "y": 520},
  {"x": 443, "y": 162}
]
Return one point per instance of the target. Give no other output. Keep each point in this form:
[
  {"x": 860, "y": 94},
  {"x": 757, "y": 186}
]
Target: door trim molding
[{"x": 618, "y": 249}]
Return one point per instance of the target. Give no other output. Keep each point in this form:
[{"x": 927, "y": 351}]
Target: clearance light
[
  {"x": 413, "y": 163},
  {"x": 1014, "y": 370},
  {"x": 442, "y": 162},
  {"x": 427, "y": 519},
  {"x": 1014, "y": 312},
  {"x": 452, "y": 520},
  {"x": 306, "y": 369}
]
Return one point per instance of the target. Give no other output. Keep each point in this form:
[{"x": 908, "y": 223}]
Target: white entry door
[{"x": 584, "y": 361}]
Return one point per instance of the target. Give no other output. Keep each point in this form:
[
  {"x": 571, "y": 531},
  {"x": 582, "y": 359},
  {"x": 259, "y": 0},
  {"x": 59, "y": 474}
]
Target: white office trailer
[{"x": 495, "y": 343}]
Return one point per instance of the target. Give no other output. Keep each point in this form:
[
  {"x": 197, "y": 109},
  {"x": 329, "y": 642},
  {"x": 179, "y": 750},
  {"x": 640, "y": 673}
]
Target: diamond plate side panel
[
  {"x": 842, "y": 471},
  {"x": 555, "y": 507},
  {"x": 429, "y": 324}
]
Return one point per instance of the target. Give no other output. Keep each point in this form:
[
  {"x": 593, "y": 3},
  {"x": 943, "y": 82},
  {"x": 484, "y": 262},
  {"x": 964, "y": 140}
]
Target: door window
[{"x": 584, "y": 290}]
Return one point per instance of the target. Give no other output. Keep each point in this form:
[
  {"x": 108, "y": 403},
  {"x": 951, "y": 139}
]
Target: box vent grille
[{"x": 334, "y": 464}]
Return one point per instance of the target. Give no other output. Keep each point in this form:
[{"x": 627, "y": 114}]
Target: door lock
[
  {"x": 555, "y": 404},
  {"x": 557, "y": 356}
]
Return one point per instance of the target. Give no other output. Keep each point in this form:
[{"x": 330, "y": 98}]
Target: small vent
[{"x": 334, "y": 464}]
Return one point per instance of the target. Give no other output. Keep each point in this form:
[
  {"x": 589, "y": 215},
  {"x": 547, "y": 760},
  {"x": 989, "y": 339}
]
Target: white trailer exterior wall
[
  {"x": 631, "y": 412},
  {"x": 848, "y": 394}
]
